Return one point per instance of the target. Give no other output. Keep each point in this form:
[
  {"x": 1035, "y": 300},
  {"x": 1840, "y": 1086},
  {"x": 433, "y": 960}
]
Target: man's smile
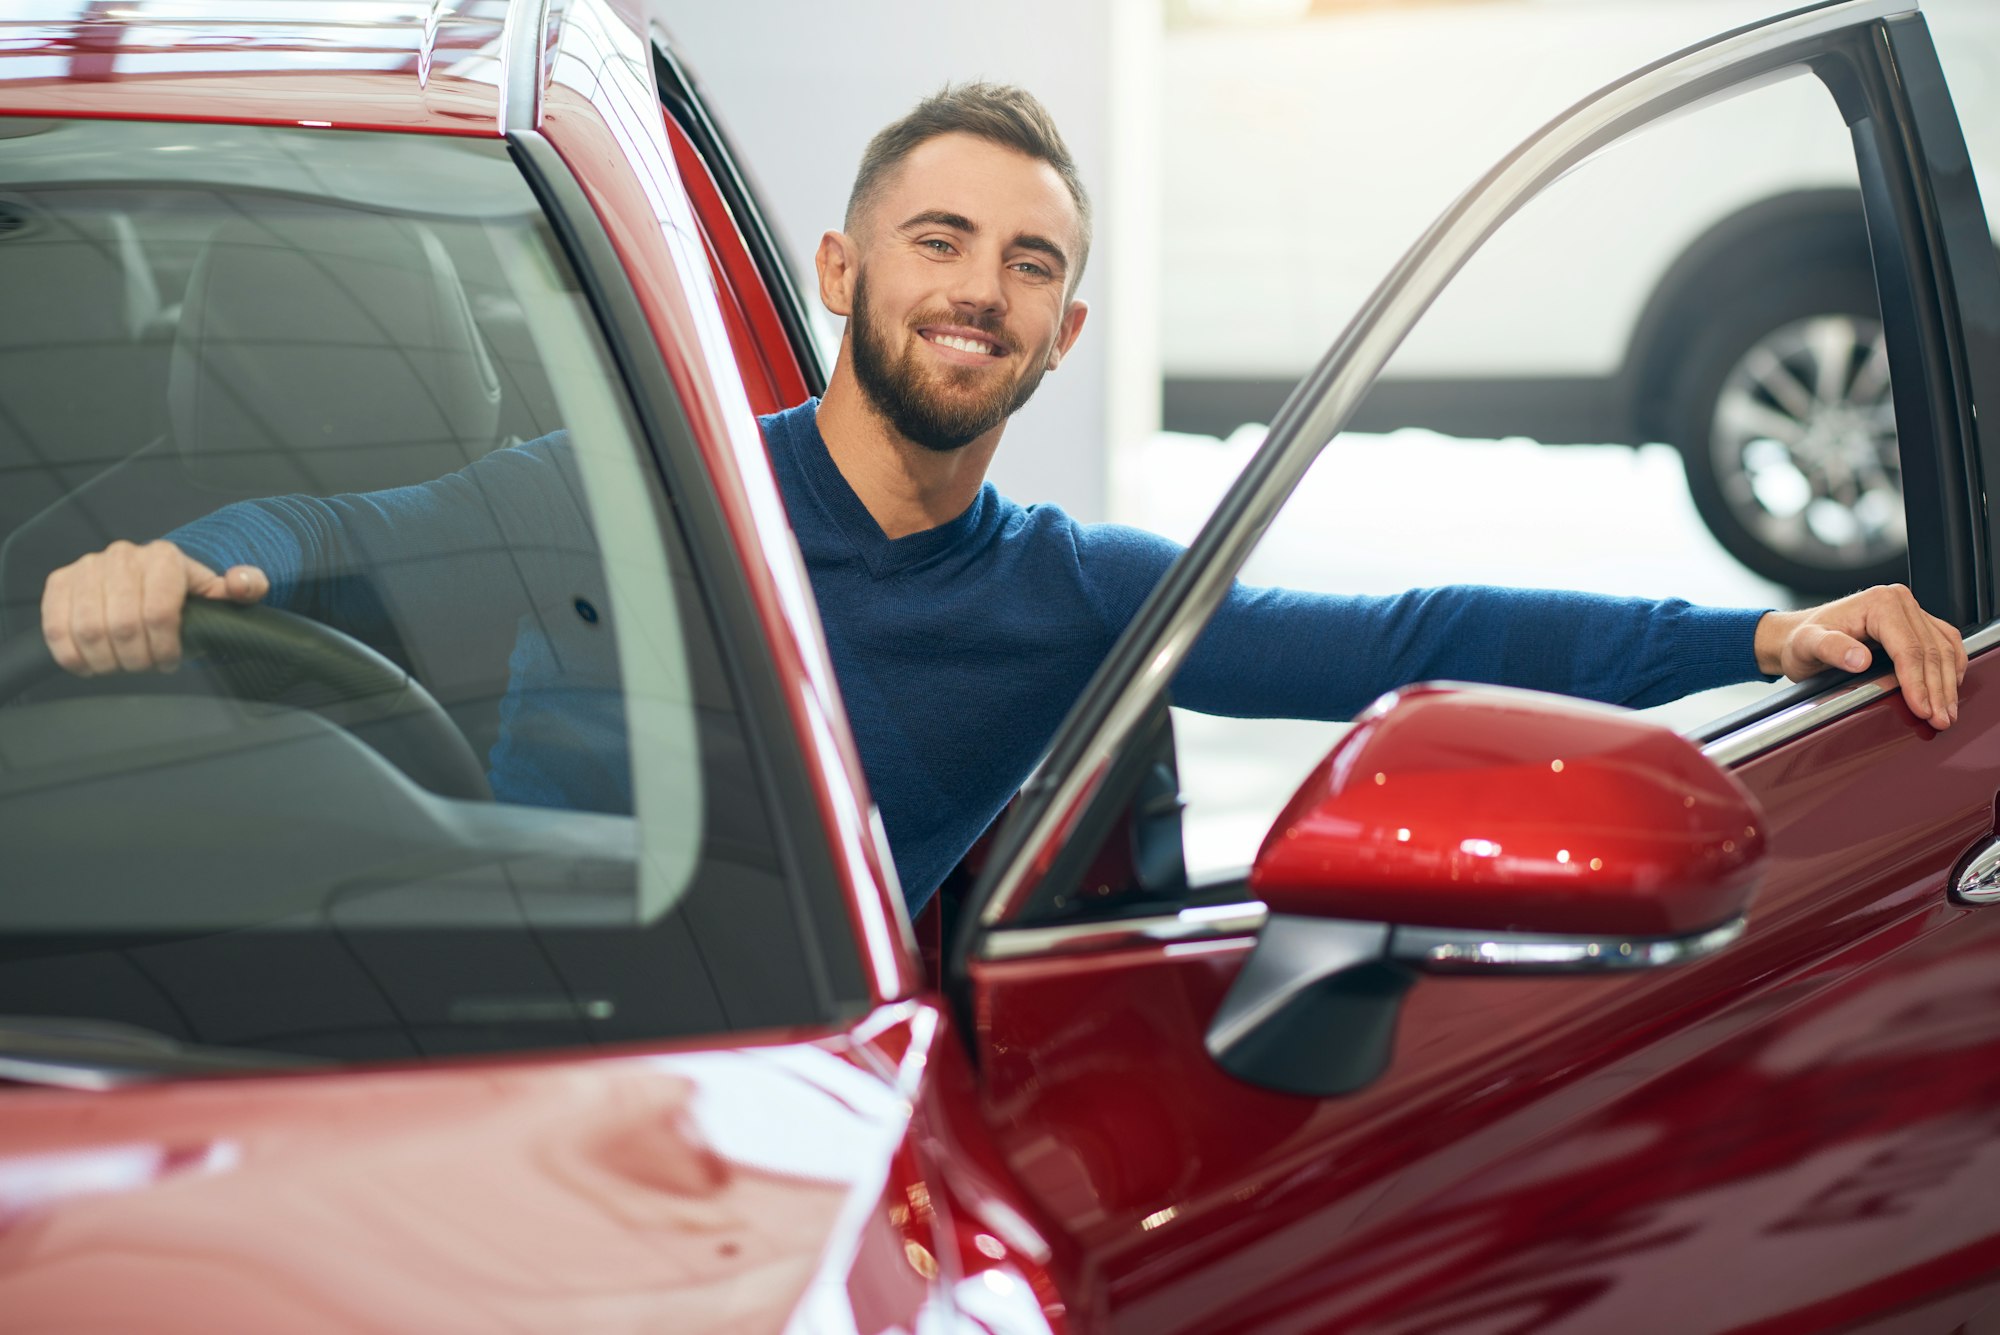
[{"x": 961, "y": 344}]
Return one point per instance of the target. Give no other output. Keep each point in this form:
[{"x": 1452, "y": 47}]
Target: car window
[
  {"x": 361, "y": 363},
  {"x": 1654, "y": 382}
]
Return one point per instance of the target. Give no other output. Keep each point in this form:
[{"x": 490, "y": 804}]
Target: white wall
[{"x": 801, "y": 85}]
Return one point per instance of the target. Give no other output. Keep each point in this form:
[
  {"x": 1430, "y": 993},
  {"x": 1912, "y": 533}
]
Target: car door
[{"x": 1791, "y": 1133}]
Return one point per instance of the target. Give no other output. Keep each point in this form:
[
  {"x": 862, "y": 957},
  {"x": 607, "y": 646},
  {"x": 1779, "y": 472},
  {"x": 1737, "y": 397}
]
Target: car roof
[{"x": 357, "y": 64}]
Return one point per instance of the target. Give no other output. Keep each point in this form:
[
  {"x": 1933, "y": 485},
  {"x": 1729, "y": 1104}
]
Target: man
[{"x": 962, "y": 626}]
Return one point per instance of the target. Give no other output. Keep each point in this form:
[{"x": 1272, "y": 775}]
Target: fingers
[
  {"x": 58, "y": 622},
  {"x": 119, "y": 610},
  {"x": 238, "y": 584},
  {"x": 245, "y": 584},
  {"x": 1927, "y": 654},
  {"x": 162, "y": 590},
  {"x": 1957, "y": 645},
  {"x": 1825, "y": 646}
]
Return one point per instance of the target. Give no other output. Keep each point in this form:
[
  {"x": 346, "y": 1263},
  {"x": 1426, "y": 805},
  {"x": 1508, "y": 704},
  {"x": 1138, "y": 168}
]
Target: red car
[{"x": 1529, "y": 1015}]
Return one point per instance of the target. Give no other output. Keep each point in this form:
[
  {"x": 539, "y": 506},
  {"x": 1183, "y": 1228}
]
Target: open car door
[{"x": 1531, "y": 1015}]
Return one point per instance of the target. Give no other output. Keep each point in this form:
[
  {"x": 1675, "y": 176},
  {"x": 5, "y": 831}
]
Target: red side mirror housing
[{"x": 1490, "y": 809}]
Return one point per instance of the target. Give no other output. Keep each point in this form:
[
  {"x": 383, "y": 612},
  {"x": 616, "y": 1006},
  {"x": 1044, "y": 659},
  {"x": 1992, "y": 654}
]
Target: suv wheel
[{"x": 1785, "y": 421}]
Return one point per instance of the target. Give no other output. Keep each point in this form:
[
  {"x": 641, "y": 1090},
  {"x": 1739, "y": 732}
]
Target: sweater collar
[{"x": 878, "y": 551}]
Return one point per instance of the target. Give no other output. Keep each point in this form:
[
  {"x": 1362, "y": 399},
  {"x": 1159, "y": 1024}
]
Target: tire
[{"x": 1782, "y": 413}]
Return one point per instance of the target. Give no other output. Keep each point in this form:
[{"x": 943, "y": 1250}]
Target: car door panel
[{"x": 1571, "y": 1142}]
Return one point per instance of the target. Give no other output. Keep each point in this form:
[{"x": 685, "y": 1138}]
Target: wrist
[{"x": 1767, "y": 644}]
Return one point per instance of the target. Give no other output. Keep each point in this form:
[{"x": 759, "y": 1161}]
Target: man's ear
[
  {"x": 1072, "y": 325},
  {"x": 838, "y": 260}
]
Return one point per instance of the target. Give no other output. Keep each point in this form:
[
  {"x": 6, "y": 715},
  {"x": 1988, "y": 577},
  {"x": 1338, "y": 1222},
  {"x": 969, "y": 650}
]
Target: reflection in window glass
[
  {"x": 1650, "y": 383},
  {"x": 359, "y": 363}
]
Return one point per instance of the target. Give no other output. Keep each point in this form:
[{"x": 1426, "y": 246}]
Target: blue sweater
[{"x": 958, "y": 649}]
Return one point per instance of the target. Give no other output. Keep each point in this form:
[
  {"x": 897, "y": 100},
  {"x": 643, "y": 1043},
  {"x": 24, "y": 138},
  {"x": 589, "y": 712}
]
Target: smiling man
[{"x": 962, "y": 626}]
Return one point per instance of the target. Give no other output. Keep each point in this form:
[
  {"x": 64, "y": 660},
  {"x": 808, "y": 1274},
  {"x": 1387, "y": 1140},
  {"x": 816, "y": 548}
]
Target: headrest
[{"x": 327, "y": 351}]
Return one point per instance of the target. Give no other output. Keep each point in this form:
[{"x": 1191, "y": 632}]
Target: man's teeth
[{"x": 962, "y": 344}]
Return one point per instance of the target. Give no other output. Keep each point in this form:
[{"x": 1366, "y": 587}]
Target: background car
[
  {"x": 306, "y": 1029},
  {"x": 1718, "y": 298}
]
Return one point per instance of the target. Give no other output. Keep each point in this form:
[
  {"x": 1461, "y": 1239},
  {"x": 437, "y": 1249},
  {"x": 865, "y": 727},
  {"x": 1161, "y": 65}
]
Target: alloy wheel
[{"x": 1803, "y": 441}]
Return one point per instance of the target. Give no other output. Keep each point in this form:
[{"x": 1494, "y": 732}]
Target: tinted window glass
[{"x": 359, "y": 363}]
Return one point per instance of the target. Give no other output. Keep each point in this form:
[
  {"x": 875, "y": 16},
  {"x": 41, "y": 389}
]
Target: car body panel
[
  {"x": 1527, "y": 1123},
  {"x": 280, "y": 65},
  {"x": 557, "y": 1194}
]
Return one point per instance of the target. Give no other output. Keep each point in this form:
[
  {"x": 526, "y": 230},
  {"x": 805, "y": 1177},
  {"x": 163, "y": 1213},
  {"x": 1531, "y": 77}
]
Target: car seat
[{"x": 319, "y": 350}]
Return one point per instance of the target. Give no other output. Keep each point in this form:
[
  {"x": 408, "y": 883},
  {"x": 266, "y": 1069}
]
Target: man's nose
[{"x": 976, "y": 288}]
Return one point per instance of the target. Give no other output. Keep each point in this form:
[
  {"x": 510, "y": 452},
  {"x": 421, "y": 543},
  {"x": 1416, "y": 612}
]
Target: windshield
[{"x": 359, "y": 364}]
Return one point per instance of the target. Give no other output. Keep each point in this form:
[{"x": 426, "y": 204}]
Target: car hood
[{"x": 690, "y": 1191}]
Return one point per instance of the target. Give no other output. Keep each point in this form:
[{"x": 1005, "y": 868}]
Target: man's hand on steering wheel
[{"x": 119, "y": 610}]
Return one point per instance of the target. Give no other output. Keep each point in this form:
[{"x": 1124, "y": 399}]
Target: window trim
[
  {"x": 681, "y": 98},
  {"x": 830, "y": 938}
]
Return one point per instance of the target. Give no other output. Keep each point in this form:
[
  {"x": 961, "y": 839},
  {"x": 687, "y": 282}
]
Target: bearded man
[{"x": 963, "y": 626}]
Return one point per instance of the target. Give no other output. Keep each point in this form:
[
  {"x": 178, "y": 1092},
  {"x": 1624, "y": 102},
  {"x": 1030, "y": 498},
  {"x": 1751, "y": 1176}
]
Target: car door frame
[{"x": 1942, "y": 365}]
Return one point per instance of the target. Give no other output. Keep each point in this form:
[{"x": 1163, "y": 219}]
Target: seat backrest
[
  {"x": 319, "y": 350},
  {"x": 83, "y": 362},
  {"x": 326, "y": 350}
]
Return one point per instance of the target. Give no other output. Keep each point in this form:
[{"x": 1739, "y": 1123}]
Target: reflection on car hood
[{"x": 692, "y": 1191}]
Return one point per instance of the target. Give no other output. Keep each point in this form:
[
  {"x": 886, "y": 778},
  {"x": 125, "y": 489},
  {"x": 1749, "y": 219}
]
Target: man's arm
[
  {"x": 440, "y": 550},
  {"x": 1284, "y": 653},
  {"x": 1290, "y": 654}
]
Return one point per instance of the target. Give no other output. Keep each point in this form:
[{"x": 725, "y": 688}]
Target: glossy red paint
[
  {"x": 154, "y": 65},
  {"x": 691, "y": 1189},
  {"x": 764, "y": 357},
  {"x": 1562, "y": 1153},
  {"x": 1501, "y": 810}
]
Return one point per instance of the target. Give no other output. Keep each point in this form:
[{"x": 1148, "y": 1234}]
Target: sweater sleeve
[
  {"x": 445, "y": 551},
  {"x": 1286, "y": 653}
]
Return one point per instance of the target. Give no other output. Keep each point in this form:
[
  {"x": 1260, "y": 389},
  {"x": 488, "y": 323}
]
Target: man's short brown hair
[{"x": 997, "y": 112}]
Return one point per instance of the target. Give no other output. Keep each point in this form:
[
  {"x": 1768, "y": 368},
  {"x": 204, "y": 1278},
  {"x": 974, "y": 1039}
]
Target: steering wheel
[{"x": 261, "y": 653}]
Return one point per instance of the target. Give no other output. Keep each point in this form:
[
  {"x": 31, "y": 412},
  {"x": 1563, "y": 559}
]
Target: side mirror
[{"x": 1477, "y": 829}]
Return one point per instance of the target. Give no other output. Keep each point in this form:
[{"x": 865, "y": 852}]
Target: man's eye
[
  {"x": 936, "y": 245},
  {"x": 1032, "y": 269}
]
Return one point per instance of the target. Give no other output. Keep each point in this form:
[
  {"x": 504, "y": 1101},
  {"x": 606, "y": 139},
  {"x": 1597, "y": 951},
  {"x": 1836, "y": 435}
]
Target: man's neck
[{"x": 906, "y": 488}]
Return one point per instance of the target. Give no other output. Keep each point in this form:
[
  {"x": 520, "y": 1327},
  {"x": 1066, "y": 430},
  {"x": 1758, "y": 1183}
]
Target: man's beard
[{"x": 926, "y": 413}]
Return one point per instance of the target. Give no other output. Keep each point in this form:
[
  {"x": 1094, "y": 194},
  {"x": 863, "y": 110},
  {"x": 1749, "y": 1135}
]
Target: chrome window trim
[
  {"x": 1328, "y": 396},
  {"x": 1433, "y": 949},
  {"x": 1765, "y": 734},
  {"x": 1452, "y": 950},
  {"x": 1215, "y": 922}
]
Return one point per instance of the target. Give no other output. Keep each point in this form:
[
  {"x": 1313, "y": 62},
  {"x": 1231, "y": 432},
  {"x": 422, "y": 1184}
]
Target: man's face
[{"x": 959, "y": 300}]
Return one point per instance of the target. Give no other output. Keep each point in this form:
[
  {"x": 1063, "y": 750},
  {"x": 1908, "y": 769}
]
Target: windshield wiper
[{"x": 74, "y": 1053}]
